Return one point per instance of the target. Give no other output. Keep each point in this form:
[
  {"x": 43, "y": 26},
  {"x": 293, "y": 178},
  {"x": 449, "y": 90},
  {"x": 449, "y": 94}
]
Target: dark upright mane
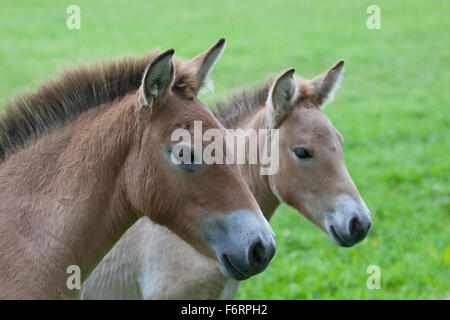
[
  {"x": 59, "y": 100},
  {"x": 242, "y": 103}
]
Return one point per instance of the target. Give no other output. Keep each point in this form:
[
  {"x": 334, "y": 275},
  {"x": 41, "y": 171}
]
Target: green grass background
[{"x": 392, "y": 108}]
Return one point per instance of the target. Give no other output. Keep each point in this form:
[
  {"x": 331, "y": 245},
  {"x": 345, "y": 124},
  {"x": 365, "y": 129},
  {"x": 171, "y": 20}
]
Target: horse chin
[
  {"x": 338, "y": 239},
  {"x": 324, "y": 221},
  {"x": 229, "y": 270}
]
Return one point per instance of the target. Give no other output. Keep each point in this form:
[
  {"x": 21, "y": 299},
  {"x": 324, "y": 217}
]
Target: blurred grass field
[{"x": 392, "y": 108}]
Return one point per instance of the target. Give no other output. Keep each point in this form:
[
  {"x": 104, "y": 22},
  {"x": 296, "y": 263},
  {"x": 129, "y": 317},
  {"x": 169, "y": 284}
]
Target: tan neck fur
[
  {"x": 259, "y": 184},
  {"x": 79, "y": 169}
]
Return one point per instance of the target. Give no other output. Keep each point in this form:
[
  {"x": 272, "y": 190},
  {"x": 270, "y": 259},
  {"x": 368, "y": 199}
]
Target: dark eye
[
  {"x": 179, "y": 86},
  {"x": 302, "y": 153},
  {"x": 181, "y": 154}
]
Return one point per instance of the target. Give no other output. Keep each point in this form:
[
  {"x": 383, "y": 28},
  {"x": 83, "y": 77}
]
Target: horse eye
[
  {"x": 179, "y": 85},
  {"x": 302, "y": 153},
  {"x": 181, "y": 153}
]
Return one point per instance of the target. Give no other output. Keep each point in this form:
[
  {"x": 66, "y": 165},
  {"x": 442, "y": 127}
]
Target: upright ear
[
  {"x": 158, "y": 77},
  {"x": 280, "y": 98},
  {"x": 204, "y": 63},
  {"x": 327, "y": 83}
]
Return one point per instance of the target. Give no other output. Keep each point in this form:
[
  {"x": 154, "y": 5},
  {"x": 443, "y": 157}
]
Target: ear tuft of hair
[
  {"x": 279, "y": 100},
  {"x": 158, "y": 77},
  {"x": 208, "y": 86},
  {"x": 204, "y": 64},
  {"x": 328, "y": 83}
]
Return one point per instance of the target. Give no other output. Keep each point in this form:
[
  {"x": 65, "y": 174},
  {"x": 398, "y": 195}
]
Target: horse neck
[
  {"x": 72, "y": 196},
  {"x": 258, "y": 184}
]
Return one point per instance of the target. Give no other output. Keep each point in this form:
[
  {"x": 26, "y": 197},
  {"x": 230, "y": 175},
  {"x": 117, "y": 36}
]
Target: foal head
[
  {"x": 312, "y": 176},
  {"x": 208, "y": 206}
]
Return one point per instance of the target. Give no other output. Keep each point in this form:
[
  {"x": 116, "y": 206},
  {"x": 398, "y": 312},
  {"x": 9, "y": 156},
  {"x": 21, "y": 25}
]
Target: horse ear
[
  {"x": 327, "y": 83},
  {"x": 204, "y": 63},
  {"x": 279, "y": 100},
  {"x": 158, "y": 77}
]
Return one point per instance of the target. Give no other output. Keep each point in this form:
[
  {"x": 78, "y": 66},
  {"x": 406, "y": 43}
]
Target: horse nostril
[
  {"x": 355, "y": 226},
  {"x": 257, "y": 254}
]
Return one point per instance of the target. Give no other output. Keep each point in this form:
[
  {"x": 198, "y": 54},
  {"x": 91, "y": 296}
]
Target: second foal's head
[{"x": 312, "y": 175}]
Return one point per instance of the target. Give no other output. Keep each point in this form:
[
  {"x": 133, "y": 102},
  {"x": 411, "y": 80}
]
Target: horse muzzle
[
  {"x": 349, "y": 223},
  {"x": 243, "y": 243}
]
